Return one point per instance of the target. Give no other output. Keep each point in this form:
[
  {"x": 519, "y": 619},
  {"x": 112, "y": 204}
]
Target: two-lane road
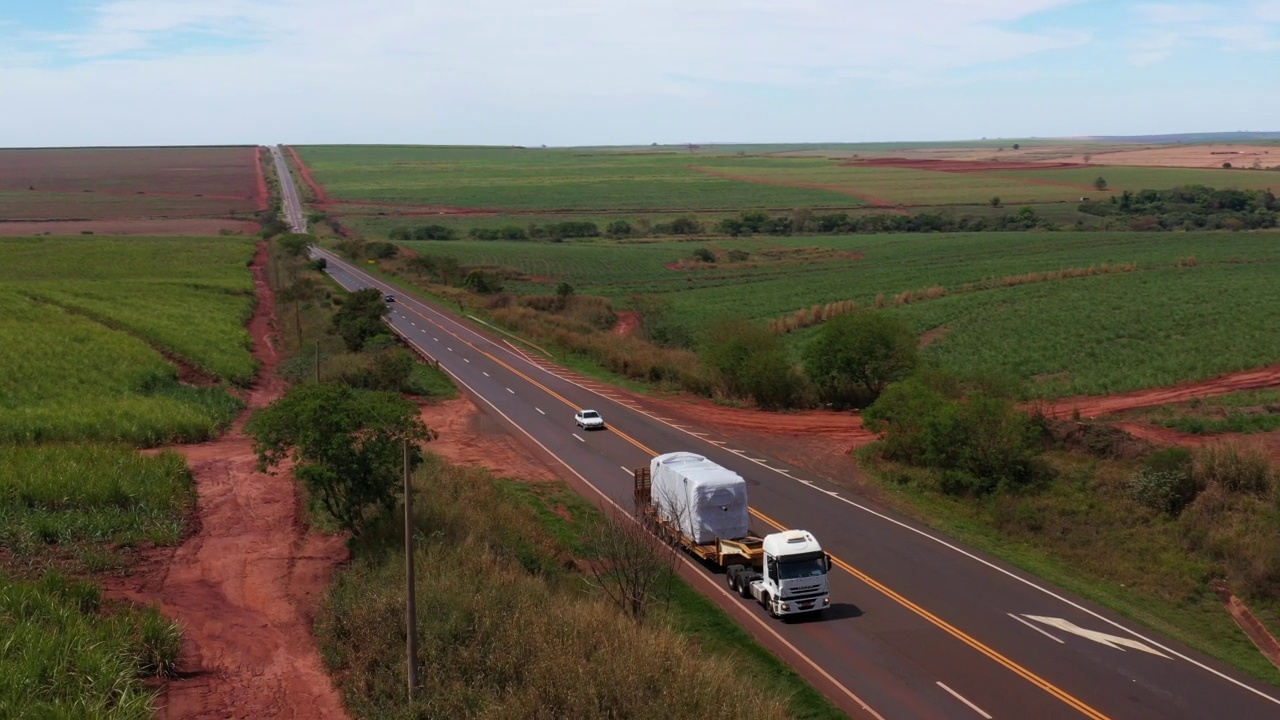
[{"x": 921, "y": 627}]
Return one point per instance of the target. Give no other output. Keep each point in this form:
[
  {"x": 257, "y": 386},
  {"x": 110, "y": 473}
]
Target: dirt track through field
[
  {"x": 321, "y": 201},
  {"x": 244, "y": 587},
  {"x": 1090, "y": 407}
]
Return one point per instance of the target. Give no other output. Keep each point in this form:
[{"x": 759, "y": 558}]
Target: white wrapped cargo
[{"x": 707, "y": 501}]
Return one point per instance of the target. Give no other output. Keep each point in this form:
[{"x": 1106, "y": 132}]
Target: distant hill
[{"x": 1212, "y": 137}]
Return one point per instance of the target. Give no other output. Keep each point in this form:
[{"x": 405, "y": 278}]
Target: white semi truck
[{"x": 701, "y": 506}]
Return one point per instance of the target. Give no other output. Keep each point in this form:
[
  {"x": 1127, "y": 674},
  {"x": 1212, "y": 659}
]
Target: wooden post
[{"x": 411, "y": 604}]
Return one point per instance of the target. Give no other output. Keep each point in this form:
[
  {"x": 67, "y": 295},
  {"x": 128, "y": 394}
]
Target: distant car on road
[
  {"x": 588, "y": 420},
  {"x": 390, "y": 298}
]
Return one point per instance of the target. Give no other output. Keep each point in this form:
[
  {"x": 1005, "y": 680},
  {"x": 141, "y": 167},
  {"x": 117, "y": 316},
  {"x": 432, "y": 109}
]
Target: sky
[{"x": 627, "y": 72}]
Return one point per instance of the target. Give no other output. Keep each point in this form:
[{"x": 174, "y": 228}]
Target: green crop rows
[
  {"x": 543, "y": 179},
  {"x": 1169, "y": 320},
  {"x": 80, "y": 359}
]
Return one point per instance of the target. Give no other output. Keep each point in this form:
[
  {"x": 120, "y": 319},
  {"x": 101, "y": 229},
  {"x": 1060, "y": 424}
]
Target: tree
[
  {"x": 345, "y": 445},
  {"x": 618, "y": 229},
  {"x": 1100, "y": 183},
  {"x": 303, "y": 290},
  {"x": 749, "y": 361},
  {"x": 974, "y": 435},
  {"x": 704, "y": 255},
  {"x": 295, "y": 244},
  {"x": 995, "y": 201},
  {"x": 854, "y": 357},
  {"x": 1016, "y": 146},
  {"x": 482, "y": 282},
  {"x": 631, "y": 565},
  {"x": 564, "y": 291},
  {"x": 360, "y": 318}
]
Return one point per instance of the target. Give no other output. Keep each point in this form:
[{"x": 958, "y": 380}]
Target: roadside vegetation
[
  {"x": 111, "y": 345},
  {"x": 1034, "y": 306},
  {"x": 947, "y": 335},
  {"x": 1144, "y": 531},
  {"x": 1253, "y": 411},
  {"x": 509, "y": 626}
]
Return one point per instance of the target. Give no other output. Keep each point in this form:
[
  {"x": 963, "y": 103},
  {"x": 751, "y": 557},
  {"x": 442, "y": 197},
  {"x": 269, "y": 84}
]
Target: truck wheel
[
  {"x": 767, "y": 601},
  {"x": 744, "y": 585},
  {"x": 732, "y": 578}
]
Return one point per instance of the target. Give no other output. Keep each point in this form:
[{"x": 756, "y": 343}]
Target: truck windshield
[{"x": 813, "y": 567}]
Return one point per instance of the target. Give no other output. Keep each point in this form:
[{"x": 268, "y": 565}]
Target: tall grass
[
  {"x": 69, "y": 496},
  {"x": 64, "y": 655},
  {"x": 507, "y": 629},
  {"x": 66, "y": 376},
  {"x": 189, "y": 297}
]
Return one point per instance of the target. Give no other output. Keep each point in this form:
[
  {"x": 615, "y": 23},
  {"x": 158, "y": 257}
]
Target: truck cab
[{"x": 792, "y": 578}]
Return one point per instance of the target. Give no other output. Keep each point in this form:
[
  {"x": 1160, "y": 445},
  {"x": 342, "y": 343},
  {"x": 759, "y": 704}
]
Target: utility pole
[{"x": 411, "y": 602}]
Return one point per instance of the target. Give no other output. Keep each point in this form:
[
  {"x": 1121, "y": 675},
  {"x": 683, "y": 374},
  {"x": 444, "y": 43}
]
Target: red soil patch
[
  {"x": 1095, "y": 406},
  {"x": 244, "y": 587},
  {"x": 321, "y": 200},
  {"x": 872, "y": 200},
  {"x": 958, "y": 166},
  {"x": 113, "y": 183},
  {"x": 818, "y": 441},
  {"x": 468, "y": 437},
  {"x": 933, "y": 336},
  {"x": 158, "y": 228},
  {"x": 262, "y": 194},
  {"x": 628, "y": 322}
]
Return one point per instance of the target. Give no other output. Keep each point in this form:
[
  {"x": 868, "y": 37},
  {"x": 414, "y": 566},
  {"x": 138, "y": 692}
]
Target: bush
[
  {"x": 1165, "y": 483},
  {"x": 1234, "y": 468},
  {"x": 979, "y": 440},
  {"x": 704, "y": 255},
  {"x": 618, "y": 229},
  {"x": 1166, "y": 491}
]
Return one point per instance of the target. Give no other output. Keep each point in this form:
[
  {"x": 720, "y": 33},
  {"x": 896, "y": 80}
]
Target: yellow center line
[
  {"x": 956, "y": 632},
  {"x": 888, "y": 592}
]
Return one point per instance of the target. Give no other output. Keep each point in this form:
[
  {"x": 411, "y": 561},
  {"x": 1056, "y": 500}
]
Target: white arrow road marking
[
  {"x": 1112, "y": 641},
  {"x": 1033, "y": 627}
]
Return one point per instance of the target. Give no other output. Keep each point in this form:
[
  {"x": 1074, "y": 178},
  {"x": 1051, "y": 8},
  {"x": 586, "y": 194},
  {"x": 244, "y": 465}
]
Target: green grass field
[
  {"x": 189, "y": 297},
  {"x": 1165, "y": 322},
  {"x": 723, "y": 177},
  {"x": 86, "y": 322},
  {"x": 541, "y": 180},
  {"x": 78, "y": 499},
  {"x": 64, "y": 653}
]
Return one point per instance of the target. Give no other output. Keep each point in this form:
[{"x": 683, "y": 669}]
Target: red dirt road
[
  {"x": 245, "y": 585},
  {"x": 1090, "y": 407},
  {"x": 321, "y": 200},
  {"x": 959, "y": 166},
  {"x": 261, "y": 193}
]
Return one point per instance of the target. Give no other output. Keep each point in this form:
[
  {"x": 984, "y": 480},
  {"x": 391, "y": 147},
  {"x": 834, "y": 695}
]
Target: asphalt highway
[
  {"x": 920, "y": 626},
  {"x": 289, "y": 193}
]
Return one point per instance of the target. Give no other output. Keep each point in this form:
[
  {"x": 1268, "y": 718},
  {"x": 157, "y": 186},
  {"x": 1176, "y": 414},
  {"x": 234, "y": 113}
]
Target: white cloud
[
  {"x": 1167, "y": 28},
  {"x": 502, "y": 71}
]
